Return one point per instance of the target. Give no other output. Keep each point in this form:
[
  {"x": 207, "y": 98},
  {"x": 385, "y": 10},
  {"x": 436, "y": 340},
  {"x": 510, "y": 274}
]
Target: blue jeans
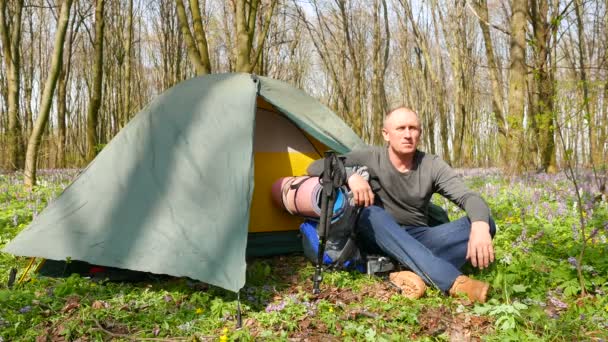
[{"x": 434, "y": 253}]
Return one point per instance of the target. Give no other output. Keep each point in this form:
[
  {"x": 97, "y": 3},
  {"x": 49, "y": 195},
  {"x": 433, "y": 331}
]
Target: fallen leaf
[
  {"x": 321, "y": 327},
  {"x": 304, "y": 324},
  {"x": 100, "y": 304},
  {"x": 249, "y": 322},
  {"x": 72, "y": 302}
]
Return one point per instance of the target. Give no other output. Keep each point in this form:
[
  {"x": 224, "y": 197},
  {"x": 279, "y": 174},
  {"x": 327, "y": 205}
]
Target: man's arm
[
  {"x": 448, "y": 184},
  {"x": 362, "y": 192},
  {"x": 480, "y": 250}
]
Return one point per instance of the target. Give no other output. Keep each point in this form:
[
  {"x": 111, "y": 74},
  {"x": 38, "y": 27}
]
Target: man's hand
[
  {"x": 480, "y": 250},
  {"x": 362, "y": 192}
]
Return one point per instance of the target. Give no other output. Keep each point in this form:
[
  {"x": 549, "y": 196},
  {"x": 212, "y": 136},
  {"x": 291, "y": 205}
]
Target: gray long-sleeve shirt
[{"x": 406, "y": 195}]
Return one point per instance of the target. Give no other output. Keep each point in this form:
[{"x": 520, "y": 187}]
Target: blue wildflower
[
  {"x": 276, "y": 307},
  {"x": 558, "y": 303},
  {"x": 594, "y": 233},
  {"x": 25, "y": 309}
]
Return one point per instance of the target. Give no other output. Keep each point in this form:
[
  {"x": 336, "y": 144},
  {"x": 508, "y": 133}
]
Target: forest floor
[{"x": 535, "y": 295}]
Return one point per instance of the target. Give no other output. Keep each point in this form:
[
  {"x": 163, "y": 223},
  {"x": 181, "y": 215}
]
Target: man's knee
[{"x": 373, "y": 217}]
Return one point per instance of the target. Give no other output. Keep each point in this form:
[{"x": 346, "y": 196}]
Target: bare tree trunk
[
  {"x": 127, "y": 78},
  {"x": 495, "y": 76},
  {"x": 380, "y": 63},
  {"x": 61, "y": 115},
  {"x": 28, "y": 80},
  {"x": 589, "y": 115},
  {"x": 64, "y": 76},
  {"x": 243, "y": 39},
  {"x": 95, "y": 102},
  {"x": 262, "y": 36},
  {"x": 542, "y": 108},
  {"x": 199, "y": 34},
  {"x": 47, "y": 96},
  {"x": 10, "y": 36},
  {"x": 457, "y": 46},
  {"x": 517, "y": 85},
  {"x": 246, "y": 11},
  {"x": 171, "y": 45},
  {"x": 603, "y": 126},
  {"x": 357, "y": 111},
  {"x": 198, "y": 51}
]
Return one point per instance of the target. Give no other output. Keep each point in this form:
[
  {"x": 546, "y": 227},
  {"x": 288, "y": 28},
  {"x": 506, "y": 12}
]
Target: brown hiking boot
[
  {"x": 411, "y": 285},
  {"x": 474, "y": 289}
]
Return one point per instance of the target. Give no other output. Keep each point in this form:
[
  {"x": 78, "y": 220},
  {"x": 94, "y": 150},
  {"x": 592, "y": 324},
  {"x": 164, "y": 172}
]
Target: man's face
[{"x": 402, "y": 131}]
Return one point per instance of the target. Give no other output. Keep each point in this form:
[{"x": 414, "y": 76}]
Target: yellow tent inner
[{"x": 281, "y": 149}]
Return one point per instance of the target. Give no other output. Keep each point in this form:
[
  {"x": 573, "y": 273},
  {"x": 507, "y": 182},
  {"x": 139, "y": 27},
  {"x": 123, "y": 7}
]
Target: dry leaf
[
  {"x": 100, "y": 304},
  {"x": 72, "y": 303}
]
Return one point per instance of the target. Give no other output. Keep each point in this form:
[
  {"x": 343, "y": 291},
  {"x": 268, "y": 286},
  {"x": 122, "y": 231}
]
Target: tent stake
[{"x": 11, "y": 277}]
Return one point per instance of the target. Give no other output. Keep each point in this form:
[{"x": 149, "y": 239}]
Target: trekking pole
[{"x": 333, "y": 177}]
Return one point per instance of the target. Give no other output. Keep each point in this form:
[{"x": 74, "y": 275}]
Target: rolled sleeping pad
[{"x": 301, "y": 196}]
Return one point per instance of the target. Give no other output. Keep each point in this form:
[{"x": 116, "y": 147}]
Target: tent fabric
[
  {"x": 311, "y": 116},
  {"x": 172, "y": 192}
]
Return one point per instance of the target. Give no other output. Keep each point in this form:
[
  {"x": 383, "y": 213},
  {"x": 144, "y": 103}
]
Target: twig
[
  {"x": 579, "y": 202},
  {"x": 131, "y": 337},
  {"x": 109, "y": 332}
]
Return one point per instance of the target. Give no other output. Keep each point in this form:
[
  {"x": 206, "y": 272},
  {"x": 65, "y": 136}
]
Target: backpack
[{"x": 341, "y": 251}]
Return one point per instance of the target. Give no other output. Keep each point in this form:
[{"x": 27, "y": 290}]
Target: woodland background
[{"x": 519, "y": 84}]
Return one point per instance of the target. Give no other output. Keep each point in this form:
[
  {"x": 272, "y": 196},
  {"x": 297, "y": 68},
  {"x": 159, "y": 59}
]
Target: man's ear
[{"x": 385, "y": 134}]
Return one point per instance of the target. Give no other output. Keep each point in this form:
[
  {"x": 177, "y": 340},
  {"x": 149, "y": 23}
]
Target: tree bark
[
  {"x": 495, "y": 76},
  {"x": 243, "y": 39},
  {"x": 379, "y": 64},
  {"x": 28, "y": 80},
  {"x": 248, "y": 55},
  {"x": 542, "y": 108},
  {"x": 127, "y": 78},
  {"x": 10, "y": 36},
  {"x": 96, "y": 92},
  {"x": 357, "y": 111},
  {"x": 517, "y": 85},
  {"x": 62, "y": 109},
  {"x": 197, "y": 50},
  {"x": 582, "y": 61},
  {"x": 47, "y": 96}
]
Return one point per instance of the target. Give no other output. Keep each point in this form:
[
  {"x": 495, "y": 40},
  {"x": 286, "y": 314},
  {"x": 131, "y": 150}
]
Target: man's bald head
[
  {"x": 402, "y": 132},
  {"x": 400, "y": 109}
]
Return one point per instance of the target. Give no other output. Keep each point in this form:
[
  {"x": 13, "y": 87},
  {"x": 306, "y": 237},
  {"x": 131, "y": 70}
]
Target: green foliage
[{"x": 535, "y": 293}]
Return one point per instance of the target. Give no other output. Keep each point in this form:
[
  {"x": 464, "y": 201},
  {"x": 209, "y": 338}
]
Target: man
[{"x": 397, "y": 225}]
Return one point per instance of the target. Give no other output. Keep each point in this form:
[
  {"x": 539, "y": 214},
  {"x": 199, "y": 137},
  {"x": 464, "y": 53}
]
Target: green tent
[{"x": 173, "y": 192}]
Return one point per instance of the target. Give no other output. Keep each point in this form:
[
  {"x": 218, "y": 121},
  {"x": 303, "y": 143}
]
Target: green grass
[{"x": 535, "y": 291}]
